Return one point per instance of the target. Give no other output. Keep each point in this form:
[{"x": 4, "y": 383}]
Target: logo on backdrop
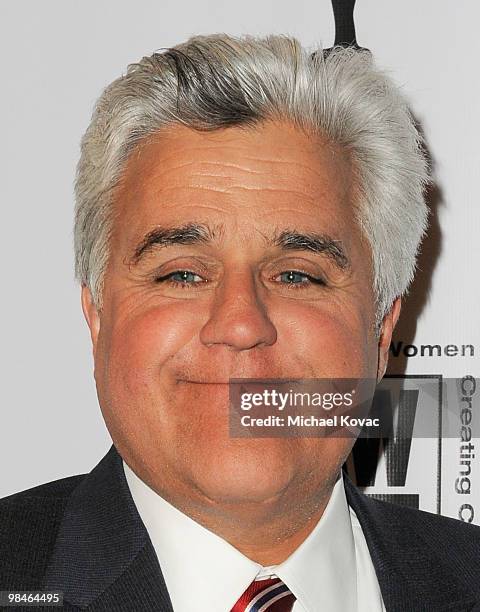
[
  {"x": 400, "y": 349},
  {"x": 404, "y": 468}
]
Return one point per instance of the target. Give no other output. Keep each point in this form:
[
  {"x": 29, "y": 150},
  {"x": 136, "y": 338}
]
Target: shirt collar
[{"x": 321, "y": 572}]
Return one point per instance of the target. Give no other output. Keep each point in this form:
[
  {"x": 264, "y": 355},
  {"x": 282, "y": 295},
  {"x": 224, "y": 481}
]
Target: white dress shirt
[{"x": 331, "y": 571}]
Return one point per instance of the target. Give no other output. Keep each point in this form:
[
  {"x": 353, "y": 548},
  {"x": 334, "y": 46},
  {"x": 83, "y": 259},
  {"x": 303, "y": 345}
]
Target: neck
[
  {"x": 272, "y": 545},
  {"x": 266, "y": 533}
]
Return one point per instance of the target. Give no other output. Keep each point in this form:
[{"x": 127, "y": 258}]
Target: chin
[{"x": 259, "y": 475}]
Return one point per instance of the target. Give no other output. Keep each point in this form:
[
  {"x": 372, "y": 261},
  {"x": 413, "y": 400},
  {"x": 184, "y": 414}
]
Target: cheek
[
  {"x": 329, "y": 341},
  {"x": 139, "y": 345}
]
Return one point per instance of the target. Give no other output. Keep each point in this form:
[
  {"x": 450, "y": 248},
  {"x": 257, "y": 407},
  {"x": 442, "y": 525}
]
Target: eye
[
  {"x": 181, "y": 278},
  {"x": 293, "y": 277}
]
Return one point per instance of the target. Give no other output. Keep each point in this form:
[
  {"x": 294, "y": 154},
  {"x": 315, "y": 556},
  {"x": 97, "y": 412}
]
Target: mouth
[
  {"x": 236, "y": 380},
  {"x": 202, "y": 382}
]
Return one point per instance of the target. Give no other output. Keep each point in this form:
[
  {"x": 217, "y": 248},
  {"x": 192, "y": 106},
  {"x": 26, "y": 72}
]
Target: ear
[
  {"x": 91, "y": 315},
  {"x": 388, "y": 325}
]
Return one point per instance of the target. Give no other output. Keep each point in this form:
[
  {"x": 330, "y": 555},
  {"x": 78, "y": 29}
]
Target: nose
[{"x": 238, "y": 318}]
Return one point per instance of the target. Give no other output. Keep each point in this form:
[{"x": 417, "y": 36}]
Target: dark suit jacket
[{"x": 83, "y": 535}]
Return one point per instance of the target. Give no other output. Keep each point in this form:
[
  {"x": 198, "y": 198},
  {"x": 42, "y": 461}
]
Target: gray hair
[{"x": 217, "y": 81}]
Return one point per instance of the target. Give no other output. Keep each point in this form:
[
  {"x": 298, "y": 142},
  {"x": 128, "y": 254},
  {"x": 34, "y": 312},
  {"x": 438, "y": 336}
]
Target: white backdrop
[{"x": 57, "y": 55}]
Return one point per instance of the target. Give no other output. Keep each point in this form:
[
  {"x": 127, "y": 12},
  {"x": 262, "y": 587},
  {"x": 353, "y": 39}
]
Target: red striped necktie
[{"x": 270, "y": 594}]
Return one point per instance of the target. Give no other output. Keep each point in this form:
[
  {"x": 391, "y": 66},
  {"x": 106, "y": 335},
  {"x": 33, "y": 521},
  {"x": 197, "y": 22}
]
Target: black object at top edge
[{"x": 344, "y": 25}]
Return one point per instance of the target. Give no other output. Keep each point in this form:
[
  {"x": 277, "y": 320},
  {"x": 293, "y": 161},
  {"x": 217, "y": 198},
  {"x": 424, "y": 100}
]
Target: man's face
[{"x": 234, "y": 254}]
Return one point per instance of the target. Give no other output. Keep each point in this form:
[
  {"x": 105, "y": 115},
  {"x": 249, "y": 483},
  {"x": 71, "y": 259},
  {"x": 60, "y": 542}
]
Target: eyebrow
[
  {"x": 191, "y": 233},
  {"x": 199, "y": 233},
  {"x": 317, "y": 243}
]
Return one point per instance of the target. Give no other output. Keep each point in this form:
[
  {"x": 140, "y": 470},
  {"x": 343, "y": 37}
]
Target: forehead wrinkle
[
  {"x": 226, "y": 170},
  {"x": 207, "y": 162},
  {"x": 201, "y": 155},
  {"x": 170, "y": 163},
  {"x": 287, "y": 169},
  {"x": 273, "y": 190}
]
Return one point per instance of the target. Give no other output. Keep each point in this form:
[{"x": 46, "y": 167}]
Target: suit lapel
[
  {"x": 405, "y": 561},
  {"x": 103, "y": 556}
]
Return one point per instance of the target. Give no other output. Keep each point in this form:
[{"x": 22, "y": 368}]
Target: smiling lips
[
  {"x": 258, "y": 378},
  {"x": 202, "y": 382}
]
